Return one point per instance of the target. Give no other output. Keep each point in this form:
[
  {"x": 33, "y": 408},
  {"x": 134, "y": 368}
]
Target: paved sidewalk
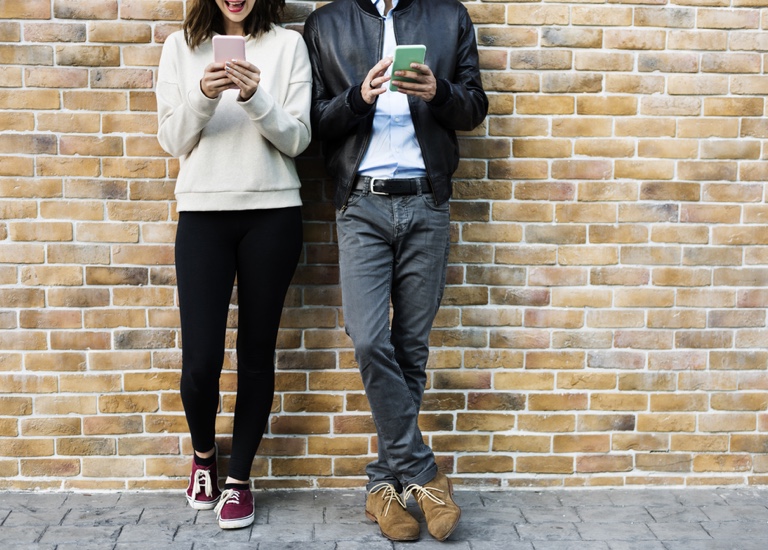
[{"x": 556, "y": 519}]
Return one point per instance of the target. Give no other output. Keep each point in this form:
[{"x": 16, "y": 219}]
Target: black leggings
[{"x": 262, "y": 248}]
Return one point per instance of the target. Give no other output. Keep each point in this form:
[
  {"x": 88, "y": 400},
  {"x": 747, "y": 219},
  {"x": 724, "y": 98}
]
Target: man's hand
[
  {"x": 373, "y": 84},
  {"x": 425, "y": 85}
]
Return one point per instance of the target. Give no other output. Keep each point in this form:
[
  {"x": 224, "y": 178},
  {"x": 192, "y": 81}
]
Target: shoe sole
[
  {"x": 373, "y": 519},
  {"x": 204, "y": 505},
  {"x": 236, "y": 523}
]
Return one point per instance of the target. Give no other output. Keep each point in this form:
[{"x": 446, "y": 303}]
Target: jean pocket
[
  {"x": 429, "y": 202},
  {"x": 354, "y": 198}
]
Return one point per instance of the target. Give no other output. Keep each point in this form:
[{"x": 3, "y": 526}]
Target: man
[{"x": 392, "y": 155}]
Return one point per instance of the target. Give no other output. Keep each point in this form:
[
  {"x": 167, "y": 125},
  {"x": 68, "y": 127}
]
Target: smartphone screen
[
  {"x": 404, "y": 56},
  {"x": 227, "y": 47}
]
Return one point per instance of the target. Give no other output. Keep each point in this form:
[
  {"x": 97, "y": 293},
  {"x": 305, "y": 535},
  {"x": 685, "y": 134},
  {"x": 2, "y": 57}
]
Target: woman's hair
[{"x": 205, "y": 18}]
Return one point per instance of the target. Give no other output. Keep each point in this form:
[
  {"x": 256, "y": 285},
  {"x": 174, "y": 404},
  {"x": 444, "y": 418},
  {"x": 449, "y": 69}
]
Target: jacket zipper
[{"x": 368, "y": 134}]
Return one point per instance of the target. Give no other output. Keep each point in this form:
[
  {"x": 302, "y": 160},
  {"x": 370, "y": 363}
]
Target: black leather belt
[{"x": 393, "y": 186}]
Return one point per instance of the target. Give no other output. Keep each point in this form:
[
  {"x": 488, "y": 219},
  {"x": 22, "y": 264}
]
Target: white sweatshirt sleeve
[
  {"x": 286, "y": 126},
  {"x": 181, "y": 117}
]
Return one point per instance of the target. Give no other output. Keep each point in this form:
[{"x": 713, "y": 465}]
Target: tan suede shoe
[
  {"x": 436, "y": 502},
  {"x": 384, "y": 506}
]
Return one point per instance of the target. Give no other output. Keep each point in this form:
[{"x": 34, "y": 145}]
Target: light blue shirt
[{"x": 393, "y": 151}]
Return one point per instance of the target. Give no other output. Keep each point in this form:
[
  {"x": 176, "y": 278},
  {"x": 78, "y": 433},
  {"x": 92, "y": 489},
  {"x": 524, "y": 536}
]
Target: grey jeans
[{"x": 393, "y": 248}]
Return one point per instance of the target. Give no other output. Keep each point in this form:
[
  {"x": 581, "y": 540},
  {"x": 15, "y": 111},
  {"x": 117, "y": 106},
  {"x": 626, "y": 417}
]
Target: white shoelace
[
  {"x": 422, "y": 492},
  {"x": 226, "y": 496},
  {"x": 202, "y": 480},
  {"x": 389, "y": 495}
]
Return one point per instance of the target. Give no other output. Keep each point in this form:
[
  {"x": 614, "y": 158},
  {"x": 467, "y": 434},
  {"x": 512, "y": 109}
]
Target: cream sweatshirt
[{"x": 236, "y": 155}]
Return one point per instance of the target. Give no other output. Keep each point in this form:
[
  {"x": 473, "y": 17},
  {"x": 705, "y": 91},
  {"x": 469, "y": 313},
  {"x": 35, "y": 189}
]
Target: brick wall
[{"x": 605, "y": 319}]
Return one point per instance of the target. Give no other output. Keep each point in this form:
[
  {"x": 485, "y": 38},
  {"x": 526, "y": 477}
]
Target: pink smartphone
[{"x": 226, "y": 47}]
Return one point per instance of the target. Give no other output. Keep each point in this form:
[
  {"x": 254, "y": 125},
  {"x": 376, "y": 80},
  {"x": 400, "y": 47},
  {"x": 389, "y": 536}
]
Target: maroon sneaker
[
  {"x": 235, "y": 509},
  {"x": 203, "y": 491}
]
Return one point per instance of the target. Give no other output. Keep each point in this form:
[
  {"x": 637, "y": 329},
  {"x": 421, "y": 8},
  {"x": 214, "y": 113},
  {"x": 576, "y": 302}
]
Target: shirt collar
[{"x": 379, "y": 5}]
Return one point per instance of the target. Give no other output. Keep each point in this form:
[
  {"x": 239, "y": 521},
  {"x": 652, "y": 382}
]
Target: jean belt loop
[{"x": 363, "y": 189}]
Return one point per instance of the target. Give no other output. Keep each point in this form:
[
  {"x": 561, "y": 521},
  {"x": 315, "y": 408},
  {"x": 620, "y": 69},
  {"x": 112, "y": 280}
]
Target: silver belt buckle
[{"x": 374, "y": 180}]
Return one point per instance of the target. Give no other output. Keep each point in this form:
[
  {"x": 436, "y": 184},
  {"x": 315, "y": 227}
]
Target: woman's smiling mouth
[{"x": 235, "y": 7}]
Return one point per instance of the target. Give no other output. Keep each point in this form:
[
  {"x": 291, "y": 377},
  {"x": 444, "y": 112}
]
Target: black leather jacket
[{"x": 345, "y": 39}]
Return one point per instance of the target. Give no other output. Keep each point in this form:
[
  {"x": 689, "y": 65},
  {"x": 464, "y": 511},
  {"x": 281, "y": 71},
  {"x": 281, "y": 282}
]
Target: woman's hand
[
  {"x": 245, "y": 76},
  {"x": 215, "y": 80}
]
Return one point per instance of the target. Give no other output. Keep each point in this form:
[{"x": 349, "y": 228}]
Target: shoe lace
[
  {"x": 202, "y": 480},
  {"x": 226, "y": 496},
  {"x": 390, "y": 494},
  {"x": 422, "y": 492}
]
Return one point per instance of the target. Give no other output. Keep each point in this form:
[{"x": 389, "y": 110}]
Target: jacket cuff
[
  {"x": 443, "y": 93},
  {"x": 357, "y": 103}
]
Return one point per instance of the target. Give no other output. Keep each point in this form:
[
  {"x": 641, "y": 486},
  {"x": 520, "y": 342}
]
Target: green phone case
[{"x": 404, "y": 56}]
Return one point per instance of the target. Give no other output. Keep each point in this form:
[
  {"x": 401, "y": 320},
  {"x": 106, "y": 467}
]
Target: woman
[{"x": 236, "y": 127}]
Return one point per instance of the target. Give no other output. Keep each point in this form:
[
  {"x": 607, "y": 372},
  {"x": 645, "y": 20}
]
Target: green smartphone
[{"x": 404, "y": 56}]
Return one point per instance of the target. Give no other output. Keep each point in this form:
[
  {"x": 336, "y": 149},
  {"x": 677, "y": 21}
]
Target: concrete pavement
[{"x": 550, "y": 519}]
